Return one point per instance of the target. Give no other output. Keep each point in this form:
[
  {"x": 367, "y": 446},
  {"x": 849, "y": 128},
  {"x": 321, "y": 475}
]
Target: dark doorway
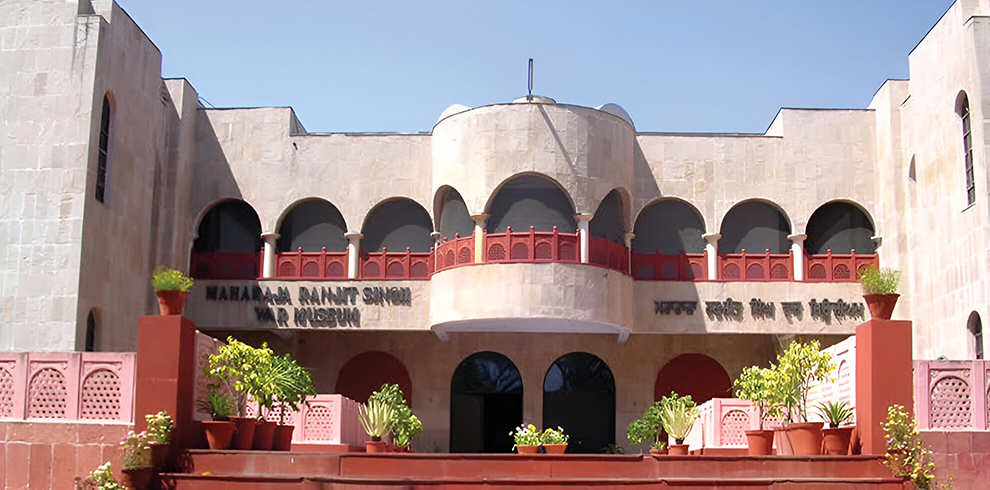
[
  {"x": 485, "y": 404},
  {"x": 579, "y": 396}
]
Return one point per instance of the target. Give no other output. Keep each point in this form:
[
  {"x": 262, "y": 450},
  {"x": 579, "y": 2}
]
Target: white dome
[
  {"x": 537, "y": 99},
  {"x": 451, "y": 110},
  {"x": 618, "y": 111}
]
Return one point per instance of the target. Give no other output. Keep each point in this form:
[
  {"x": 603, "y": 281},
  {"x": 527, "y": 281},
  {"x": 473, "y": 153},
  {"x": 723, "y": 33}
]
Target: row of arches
[
  {"x": 669, "y": 226},
  {"x": 486, "y": 395}
]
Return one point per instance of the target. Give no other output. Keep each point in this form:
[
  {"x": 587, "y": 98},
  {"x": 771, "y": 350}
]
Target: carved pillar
[
  {"x": 268, "y": 269},
  {"x": 582, "y": 220},
  {"x": 797, "y": 249},
  {"x": 353, "y": 254},
  {"x": 480, "y": 220},
  {"x": 711, "y": 248},
  {"x": 627, "y": 239}
]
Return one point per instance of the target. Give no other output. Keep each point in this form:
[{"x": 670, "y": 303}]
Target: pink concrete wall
[
  {"x": 43, "y": 454},
  {"x": 843, "y": 384},
  {"x": 952, "y": 395},
  {"x": 67, "y": 386}
]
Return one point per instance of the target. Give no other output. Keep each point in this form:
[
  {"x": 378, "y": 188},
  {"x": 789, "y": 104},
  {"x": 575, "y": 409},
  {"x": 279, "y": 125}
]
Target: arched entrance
[
  {"x": 579, "y": 396},
  {"x": 693, "y": 374},
  {"x": 486, "y": 404},
  {"x": 365, "y": 374}
]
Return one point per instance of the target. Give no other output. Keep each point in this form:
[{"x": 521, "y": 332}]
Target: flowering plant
[
  {"x": 551, "y": 436},
  {"x": 906, "y": 453},
  {"x": 137, "y": 452},
  {"x": 159, "y": 427},
  {"x": 101, "y": 478},
  {"x": 526, "y": 436}
]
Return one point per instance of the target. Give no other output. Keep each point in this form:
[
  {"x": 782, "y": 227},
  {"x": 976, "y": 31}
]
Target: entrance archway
[
  {"x": 486, "y": 404},
  {"x": 693, "y": 374},
  {"x": 365, "y": 374},
  {"x": 579, "y": 396}
]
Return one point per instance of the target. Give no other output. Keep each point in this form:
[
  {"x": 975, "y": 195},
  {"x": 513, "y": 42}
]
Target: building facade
[{"x": 519, "y": 260}]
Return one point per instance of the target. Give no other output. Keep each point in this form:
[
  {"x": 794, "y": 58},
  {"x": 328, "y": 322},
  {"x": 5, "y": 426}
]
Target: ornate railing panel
[
  {"x": 831, "y": 267},
  {"x": 222, "y": 265}
]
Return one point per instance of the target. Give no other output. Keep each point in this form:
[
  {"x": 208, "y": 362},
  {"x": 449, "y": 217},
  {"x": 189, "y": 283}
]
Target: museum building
[{"x": 519, "y": 260}]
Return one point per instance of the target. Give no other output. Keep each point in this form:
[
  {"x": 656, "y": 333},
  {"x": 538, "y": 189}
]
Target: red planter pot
[
  {"x": 219, "y": 433},
  {"x": 662, "y": 452},
  {"x": 805, "y": 438},
  {"x": 375, "y": 447},
  {"x": 760, "y": 442},
  {"x": 881, "y": 305},
  {"x": 159, "y": 455},
  {"x": 171, "y": 302},
  {"x": 137, "y": 478},
  {"x": 677, "y": 449},
  {"x": 555, "y": 448},
  {"x": 264, "y": 433},
  {"x": 527, "y": 449},
  {"x": 244, "y": 437},
  {"x": 282, "y": 440},
  {"x": 836, "y": 440}
]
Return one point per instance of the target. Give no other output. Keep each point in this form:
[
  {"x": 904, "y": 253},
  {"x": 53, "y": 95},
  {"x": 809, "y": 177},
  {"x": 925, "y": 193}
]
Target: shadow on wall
[{"x": 212, "y": 178}]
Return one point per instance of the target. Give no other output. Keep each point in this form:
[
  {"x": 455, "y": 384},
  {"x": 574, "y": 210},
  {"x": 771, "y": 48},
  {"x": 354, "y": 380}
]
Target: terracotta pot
[
  {"x": 555, "y": 448},
  {"x": 171, "y": 302},
  {"x": 219, "y": 434},
  {"x": 881, "y": 305},
  {"x": 137, "y": 478},
  {"x": 805, "y": 437},
  {"x": 264, "y": 432},
  {"x": 662, "y": 452},
  {"x": 526, "y": 449},
  {"x": 282, "y": 440},
  {"x": 760, "y": 442},
  {"x": 244, "y": 437},
  {"x": 159, "y": 455},
  {"x": 837, "y": 440},
  {"x": 375, "y": 447},
  {"x": 677, "y": 449}
]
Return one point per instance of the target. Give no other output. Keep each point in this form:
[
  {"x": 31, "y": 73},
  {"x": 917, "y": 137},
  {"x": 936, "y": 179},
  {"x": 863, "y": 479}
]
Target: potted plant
[
  {"x": 836, "y": 438},
  {"x": 137, "y": 471},
  {"x": 172, "y": 288},
  {"x": 677, "y": 414},
  {"x": 243, "y": 371},
  {"x": 799, "y": 368},
  {"x": 527, "y": 439},
  {"x": 554, "y": 441},
  {"x": 376, "y": 418},
  {"x": 220, "y": 406},
  {"x": 907, "y": 455},
  {"x": 648, "y": 428},
  {"x": 756, "y": 385},
  {"x": 101, "y": 478},
  {"x": 879, "y": 290},
  {"x": 405, "y": 425},
  {"x": 292, "y": 384},
  {"x": 160, "y": 436}
]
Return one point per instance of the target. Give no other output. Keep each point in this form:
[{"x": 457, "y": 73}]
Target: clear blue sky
[{"x": 684, "y": 66}]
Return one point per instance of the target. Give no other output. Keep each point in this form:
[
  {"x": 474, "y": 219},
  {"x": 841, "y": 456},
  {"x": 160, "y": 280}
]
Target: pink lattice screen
[
  {"x": 67, "y": 386},
  {"x": 722, "y": 422},
  {"x": 950, "y": 395},
  {"x": 329, "y": 419}
]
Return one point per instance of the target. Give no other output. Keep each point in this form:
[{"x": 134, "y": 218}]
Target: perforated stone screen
[
  {"x": 319, "y": 423},
  {"x": 734, "y": 423},
  {"x": 951, "y": 404},
  {"x": 100, "y": 396},
  {"x": 47, "y": 395},
  {"x": 6, "y": 394}
]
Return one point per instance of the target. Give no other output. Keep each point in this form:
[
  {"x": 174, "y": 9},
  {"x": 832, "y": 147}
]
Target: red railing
[
  {"x": 311, "y": 265},
  {"x": 831, "y": 267},
  {"x": 455, "y": 253},
  {"x": 751, "y": 267},
  {"x": 680, "y": 267},
  {"x": 608, "y": 254},
  {"x": 407, "y": 265},
  {"x": 225, "y": 265},
  {"x": 532, "y": 246}
]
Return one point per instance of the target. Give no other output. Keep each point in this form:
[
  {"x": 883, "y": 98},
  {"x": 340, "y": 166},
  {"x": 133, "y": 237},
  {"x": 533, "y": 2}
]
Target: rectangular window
[
  {"x": 101, "y": 163},
  {"x": 968, "y": 155}
]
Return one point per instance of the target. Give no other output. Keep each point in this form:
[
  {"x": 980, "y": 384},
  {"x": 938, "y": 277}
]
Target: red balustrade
[
  {"x": 533, "y": 246},
  {"x": 831, "y": 267},
  {"x": 225, "y": 265},
  {"x": 752, "y": 267},
  {"x": 455, "y": 253},
  {"x": 670, "y": 267},
  {"x": 407, "y": 265},
  {"x": 608, "y": 254},
  {"x": 311, "y": 265}
]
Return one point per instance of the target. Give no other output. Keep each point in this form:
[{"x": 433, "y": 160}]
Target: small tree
[
  {"x": 647, "y": 428},
  {"x": 799, "y": 368},
  {"x": 244, "y": 371},
  {"x": 758, "y": 385}
]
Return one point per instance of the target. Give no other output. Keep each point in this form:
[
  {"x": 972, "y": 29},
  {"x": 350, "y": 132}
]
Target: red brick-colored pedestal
[
  {"x": 166, "y": 360},
  {"x": 883, "y": 377}
]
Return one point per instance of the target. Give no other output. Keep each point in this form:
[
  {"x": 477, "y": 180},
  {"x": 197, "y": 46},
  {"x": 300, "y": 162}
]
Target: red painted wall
[
  {"x": 52, "y": 455},
  {"x": 693, "y": 374},
  {"x": 365, "y": 373}
]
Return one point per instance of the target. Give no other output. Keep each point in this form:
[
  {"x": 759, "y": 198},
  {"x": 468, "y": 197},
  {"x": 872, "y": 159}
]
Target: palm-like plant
[
  {"x": 677, "y": 413},
  {"x": 376, "y": 418},
  {"x": 835, "y": 413}
]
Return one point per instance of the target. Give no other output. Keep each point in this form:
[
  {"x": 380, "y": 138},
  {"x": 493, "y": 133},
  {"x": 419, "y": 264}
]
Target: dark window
[
  {"x": 841, "y": 228},
  {"x": 755, "y": 227},
  {"x": 531, "y": 200},
  {"x": 968, "y": 150},
  {"x": 229, "y": 227},
  {"x": 486, "y": 403},
  {"x": 608, "y": 220},
  {"x": 669, "y": 226},
  {"x": 101, "y": 163},
  {"x": 311, "y": 226},
  {"x": 976, "y": 331},
  {"x": 397, "y": 225},
  {"x": 454, "y": 217},
  {"x": 581, "y": 380},
  {"x": 90, "y": 333}
]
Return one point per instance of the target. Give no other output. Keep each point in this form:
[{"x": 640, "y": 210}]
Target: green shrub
[
  {"x": 165, "y": 279},
  {"x": 877, "y": 281}
]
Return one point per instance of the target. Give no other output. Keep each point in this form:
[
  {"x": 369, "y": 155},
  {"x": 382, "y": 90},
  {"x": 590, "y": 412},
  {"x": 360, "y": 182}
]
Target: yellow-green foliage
[
  {"x": 877, "y": 281},
  {"x": 165, "y": 279}
]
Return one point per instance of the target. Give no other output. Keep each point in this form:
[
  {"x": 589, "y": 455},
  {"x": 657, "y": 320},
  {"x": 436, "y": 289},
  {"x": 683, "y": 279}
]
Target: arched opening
[
  {"x": 396, "y": 225},
  {"x": 531, "y": 200},
  {"x": 365, "y": 374},
  {"x": 105, "y": 149},
  {"x": 91, "y": 330},
  {"x": 229, "y": 242},
  {"x": 454, "y": 216},
  {"x": 975, "y": 327},
  {"x": 609, "y": 219},
  {"x": 579, "y": 396},
  {"x": 670, "y": 226},
  {"x": 693, "y": 374},
  {"x": 313, "y": 225},
  {"x": 965, "y": 119},
  {"x": 754, "y": 226},
  {"x": 840, "y": 227},
  {"x": 486, "y": 404}
]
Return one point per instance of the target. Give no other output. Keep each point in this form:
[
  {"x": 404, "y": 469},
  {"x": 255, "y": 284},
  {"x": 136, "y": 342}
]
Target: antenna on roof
[{"x": 530, "y": 96}]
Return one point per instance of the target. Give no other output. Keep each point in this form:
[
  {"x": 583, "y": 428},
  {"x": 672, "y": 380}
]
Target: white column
[
  {"x": 480, "y": 220},
  {"x": 878, "y": 241},
  {"x": 268, "y": 269},
  {"x": 797, "y": 249},
  {"x": 711, "y": 247},
  {"x": 582, "y": 221},
  {"x": 627, "y": 239},
  {"x": 353, "y": 254}
]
